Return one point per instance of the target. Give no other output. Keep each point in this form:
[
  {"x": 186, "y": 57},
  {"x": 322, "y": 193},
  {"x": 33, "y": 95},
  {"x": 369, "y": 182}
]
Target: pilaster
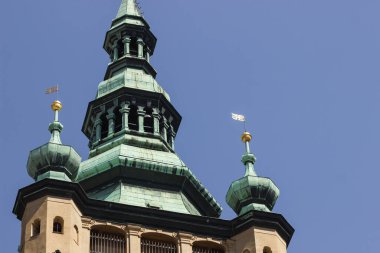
[
  {"x": 140, "y": 44},
  {"x": 156, "y": 121},
  {"x": 127, "y": 43},
  {"x": 141, "y": 113},
  {"x": 124, "y": 116},
  {"x": 134, "y": 235},
  {"x": 185, "y": 243}
]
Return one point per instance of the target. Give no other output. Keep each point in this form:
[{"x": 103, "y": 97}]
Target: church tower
[{"x": 134, "y": 194}]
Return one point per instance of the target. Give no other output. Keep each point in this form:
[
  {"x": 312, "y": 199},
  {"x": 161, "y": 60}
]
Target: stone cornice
[{"x": 125, "y": 214}]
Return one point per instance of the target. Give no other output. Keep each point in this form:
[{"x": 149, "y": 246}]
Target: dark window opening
[
  {"x": 36, "y": 228},
  {"x": 133, "y": 47},
  {"x": 118, "y": 120},
  {"x": 148, "y": 121},
  {"x": 133, "y": 118},
  {"x": 58, "y": 225},
  {"x": 120, "y": 48},
  {"x": 104, "y": 121},
  {"x": 202, "y": 249},
  {"x": 267, "y": 250},
  {"x": 157, "y": 246},
  {"x": 103, "y": 242}
]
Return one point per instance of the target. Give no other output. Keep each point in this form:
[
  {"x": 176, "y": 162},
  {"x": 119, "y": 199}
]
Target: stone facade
[{"x": 75, "y": 235}]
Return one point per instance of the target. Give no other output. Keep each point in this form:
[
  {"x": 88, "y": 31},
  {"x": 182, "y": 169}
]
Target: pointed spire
[
  {"x": 248, "y": 158},
  {"x": 129, "y": 7},
  {"x": 56, "y": 127}
]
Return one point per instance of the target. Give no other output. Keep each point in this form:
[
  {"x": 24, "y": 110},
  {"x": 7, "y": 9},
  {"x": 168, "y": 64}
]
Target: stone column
[
  {"x": 164, "y": 128},
  {"x": 140, "y": 44},
  {"x": 141, "y": 113},
  {"x": 115, "y": 51},
  {"x": 186, "y": 244},
  {"x": 148, "y": 54},
  {"x": 124, "y": 114},
  {"x": 127, "y": 43},
  {"x": 111, "y": 122},
  {"x": 134, "y": 239},
  {"x": 98, "y": 129},
  {"x": 171, "y": 135},
  {"x": 156, "y": 121}
]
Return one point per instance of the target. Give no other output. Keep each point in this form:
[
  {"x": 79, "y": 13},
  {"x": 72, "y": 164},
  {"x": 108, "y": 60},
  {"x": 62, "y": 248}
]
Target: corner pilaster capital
[
  {"x": 97, "y": 122},
  {"x": 88, "y": 223},
  {"x": 126, "y": 39},
  {"x": 135, "y": 230},
  {"x": 186, "y": 238},
  {"x": 140, "y": 41},
  {"x": 141, "y": 111},
  {"x": 110, "y": 116}
]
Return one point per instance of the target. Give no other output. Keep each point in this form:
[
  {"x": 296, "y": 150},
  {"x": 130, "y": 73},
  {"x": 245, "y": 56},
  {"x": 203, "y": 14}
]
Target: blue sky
[{"x": 305, "y": 73}]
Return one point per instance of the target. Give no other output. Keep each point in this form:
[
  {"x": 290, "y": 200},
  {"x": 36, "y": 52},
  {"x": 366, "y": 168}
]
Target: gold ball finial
[
  {"x": 56, "y": 105},
  {"x": 246, "y": 137}
]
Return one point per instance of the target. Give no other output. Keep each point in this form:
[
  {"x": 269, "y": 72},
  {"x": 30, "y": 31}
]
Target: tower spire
[
  {"x": 129, "y": 7},
  {"x": 251, "y": 192},
  {"x": 248, "y": 158},
  {"x": 56, "y": 127},
  {"x": 54, "y": 160}
]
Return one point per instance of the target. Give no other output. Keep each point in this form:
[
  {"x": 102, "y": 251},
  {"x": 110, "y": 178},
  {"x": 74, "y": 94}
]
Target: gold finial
[
  {"x": 56, "y": 105},
  {"x": 246, "y": 137}
]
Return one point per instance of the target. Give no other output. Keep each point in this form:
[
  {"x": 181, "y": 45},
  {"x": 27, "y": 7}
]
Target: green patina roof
[
  {"x": 128, "y": 7},
  {"x": 53, "y": 159},
  {"x": 123, "y": 193},
  {"x": 251, "y": 192},
  {"x": 129, "y": 13},
  {"x": 131, "y": 78},
  {"x": 143, "y": 159}
]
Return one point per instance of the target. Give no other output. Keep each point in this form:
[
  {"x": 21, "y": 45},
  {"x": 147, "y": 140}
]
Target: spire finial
[
  {"x": 129, "y": 7},
  {"x": 248, "y": 158},
  {"x": 56, "y": 127},
  {"x": 246, "y": 138}
]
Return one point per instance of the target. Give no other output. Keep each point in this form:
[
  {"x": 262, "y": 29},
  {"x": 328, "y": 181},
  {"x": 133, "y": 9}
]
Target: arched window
[
  {"x": 267, "y": 250},
  {"x": 154, "y": 244},
  {"x": 133, "y": 47},
  {"x": 118, "y": 119},
  {"x": 207, "y": 247},
  {"x": 76, "y": 234},
  {"x": 36, "y": 228},
  {"x": 107, "y": 241},
  {"x": 148, "y": 120},
  {"x": 104, "y": 121},
  {"x": 58, "y": 225},
  {"x": 133, "y": 118}
]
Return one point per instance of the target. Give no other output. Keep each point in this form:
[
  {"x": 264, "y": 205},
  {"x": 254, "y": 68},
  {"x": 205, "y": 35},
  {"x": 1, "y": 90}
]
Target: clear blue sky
[{"x": 305, "y": 73}]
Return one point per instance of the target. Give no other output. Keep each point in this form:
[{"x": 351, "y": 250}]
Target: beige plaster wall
[
  {"x": 269, "y": 238},
  {"x": 253, "y": 240},
  {"x": 46, "y": 209}
]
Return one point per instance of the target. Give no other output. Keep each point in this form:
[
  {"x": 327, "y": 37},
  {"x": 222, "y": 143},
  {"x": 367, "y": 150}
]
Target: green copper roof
[
  {"x": 54, "y": 160},
  {"x": 251, "y": 192},
  {"x": 131, "y": 78},
  {"x": 126, "y": 157},
  {"x": 129, "y": 13},
  {"x": 128, "y": 7},
  {"x": 136, "y": 195}
]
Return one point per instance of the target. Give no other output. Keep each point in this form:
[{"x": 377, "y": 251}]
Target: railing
[
  {"x": 155, "y": 246},
  {"x": 101, "y": 242},
  {"x": 197, "y": 249}
]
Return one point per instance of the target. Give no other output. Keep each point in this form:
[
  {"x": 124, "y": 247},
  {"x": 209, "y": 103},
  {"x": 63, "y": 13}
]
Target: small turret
[
  {"x": 251, "y": 192},
  {"x": 54, "y": 160}
]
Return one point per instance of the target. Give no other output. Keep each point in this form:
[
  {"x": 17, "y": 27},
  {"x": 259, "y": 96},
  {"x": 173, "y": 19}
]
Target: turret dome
[
  {"x": 251, "y": 192},
  {"x": 53, "y": 159}
]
